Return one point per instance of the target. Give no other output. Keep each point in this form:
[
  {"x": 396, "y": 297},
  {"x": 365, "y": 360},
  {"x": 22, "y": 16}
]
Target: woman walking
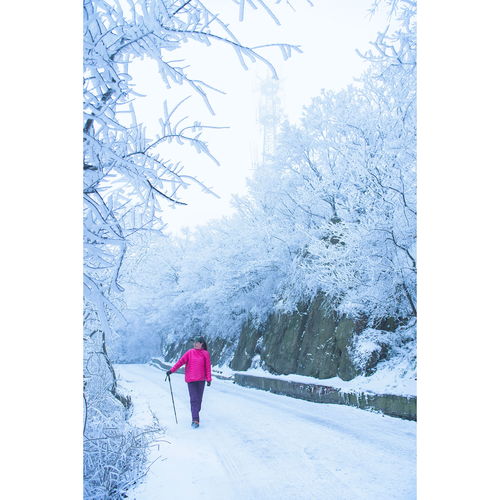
[{"x": 198, "y": 370}]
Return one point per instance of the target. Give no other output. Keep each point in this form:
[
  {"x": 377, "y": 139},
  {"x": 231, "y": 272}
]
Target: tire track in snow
[
  {"x": 271, "y": 446},
  {"x": 344, "y": 427}
]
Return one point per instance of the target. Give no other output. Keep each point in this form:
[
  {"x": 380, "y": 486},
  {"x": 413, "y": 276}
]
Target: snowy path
[{"x": 256, "y": 445}]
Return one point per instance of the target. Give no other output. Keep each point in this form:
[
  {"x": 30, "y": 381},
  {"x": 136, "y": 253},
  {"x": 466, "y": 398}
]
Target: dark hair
[{"x": 202, "y": 341}]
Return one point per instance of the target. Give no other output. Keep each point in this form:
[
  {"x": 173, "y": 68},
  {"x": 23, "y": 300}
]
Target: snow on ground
[{"x": 253, "y": 444}]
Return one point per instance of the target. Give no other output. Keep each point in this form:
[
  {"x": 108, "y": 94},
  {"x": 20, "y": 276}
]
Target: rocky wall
[{"x": 312, "y": 341}]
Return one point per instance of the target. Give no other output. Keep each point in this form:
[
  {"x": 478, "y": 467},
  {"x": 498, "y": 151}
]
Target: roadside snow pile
[{"x": 386, "y": 380}]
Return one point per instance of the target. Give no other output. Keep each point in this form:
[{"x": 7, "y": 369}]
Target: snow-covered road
[{"x": 256, "y": 445}]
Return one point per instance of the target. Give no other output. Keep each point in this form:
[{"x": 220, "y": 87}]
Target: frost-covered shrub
[
  {"x": 402, "y": 359},
  {"x": 115, "y": 453},
  {"x": 368, "y": 348},
  {"x": 374, "y": 349}
]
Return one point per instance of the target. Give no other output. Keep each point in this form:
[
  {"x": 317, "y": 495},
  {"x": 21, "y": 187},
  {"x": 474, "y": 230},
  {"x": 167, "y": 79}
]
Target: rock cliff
[{"x": 313, "y": 341}]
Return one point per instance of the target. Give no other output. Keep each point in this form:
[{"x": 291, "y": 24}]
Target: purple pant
[{"x": 196, "y": 395}]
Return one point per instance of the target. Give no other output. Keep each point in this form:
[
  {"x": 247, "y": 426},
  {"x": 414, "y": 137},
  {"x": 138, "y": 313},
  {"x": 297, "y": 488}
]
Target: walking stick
[{"x": 172, "y": 394}]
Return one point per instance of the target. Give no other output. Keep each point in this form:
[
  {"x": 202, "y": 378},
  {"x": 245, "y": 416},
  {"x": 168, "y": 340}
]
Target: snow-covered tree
[
  {"x": 372, "y": 151},
  {"x": 342, "y": 184}
]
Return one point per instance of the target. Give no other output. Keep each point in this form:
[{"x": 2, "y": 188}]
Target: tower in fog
[{"x": 268, "y": 115}]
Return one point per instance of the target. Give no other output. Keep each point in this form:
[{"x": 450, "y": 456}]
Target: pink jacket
[{"x": 197, "y": 363}]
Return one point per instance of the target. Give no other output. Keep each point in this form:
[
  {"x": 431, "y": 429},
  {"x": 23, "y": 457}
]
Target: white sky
[{"x": 328, "y": 33}]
